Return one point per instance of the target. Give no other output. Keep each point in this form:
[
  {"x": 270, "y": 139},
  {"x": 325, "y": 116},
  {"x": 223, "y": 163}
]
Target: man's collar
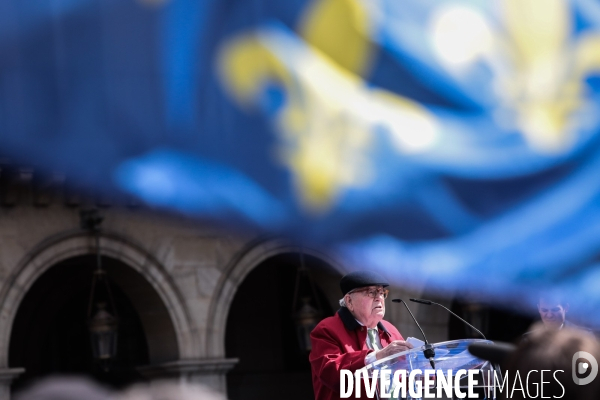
[
  {"x": 361, "y": 324},
  {"x": 351, "y": 323}
]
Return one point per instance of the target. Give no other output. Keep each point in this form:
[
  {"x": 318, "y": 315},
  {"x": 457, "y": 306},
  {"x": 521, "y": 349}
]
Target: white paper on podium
[
  {"x": 418, "y": 343},
  {"x": 415, "y": 342}
]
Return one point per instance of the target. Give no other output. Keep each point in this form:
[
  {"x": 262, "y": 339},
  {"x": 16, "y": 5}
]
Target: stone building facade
[{"x": 178, "y": 276}]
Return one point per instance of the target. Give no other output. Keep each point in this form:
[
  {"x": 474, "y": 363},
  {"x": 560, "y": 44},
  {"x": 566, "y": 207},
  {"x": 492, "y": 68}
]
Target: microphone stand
[
  {"x": 429, "y": 302},
  {"x": 429, "y": 351}
]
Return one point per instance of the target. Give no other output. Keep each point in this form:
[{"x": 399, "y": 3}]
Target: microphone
[
  {"x": 429, "y": 351},
  {"x": 429, "y": 302}
]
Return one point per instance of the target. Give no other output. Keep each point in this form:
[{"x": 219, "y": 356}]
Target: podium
[{"x": 451, "y": 355}]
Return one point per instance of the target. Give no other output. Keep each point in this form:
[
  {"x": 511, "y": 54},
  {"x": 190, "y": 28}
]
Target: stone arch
[
  {"x": 72, "y": 244},
  {"x": 235, "y": 273}
]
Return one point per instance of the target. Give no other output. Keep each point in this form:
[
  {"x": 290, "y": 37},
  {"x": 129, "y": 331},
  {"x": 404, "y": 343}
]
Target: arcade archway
[
  {"x": 49, "y": 332},
  {"x": 261, "y": 333}
]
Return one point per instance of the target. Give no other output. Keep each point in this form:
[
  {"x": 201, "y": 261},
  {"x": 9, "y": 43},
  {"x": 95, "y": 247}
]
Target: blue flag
[{"x": 448, "y": 142}]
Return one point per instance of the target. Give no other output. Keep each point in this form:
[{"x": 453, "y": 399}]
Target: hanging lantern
[
  {"x": 478, "y": 315},
  {"x": 305, "y": 316},
  {"x": 103, "y": 325},
  {"x": 103, "y": 334}
]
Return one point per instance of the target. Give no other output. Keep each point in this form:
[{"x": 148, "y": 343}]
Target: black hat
[
  {"x": 358, "y": 279},
  {"x": 497, "y": 353}
]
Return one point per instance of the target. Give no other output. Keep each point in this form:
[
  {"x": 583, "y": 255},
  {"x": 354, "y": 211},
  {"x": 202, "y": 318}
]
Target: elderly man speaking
[{"x": 355, "y": 336}]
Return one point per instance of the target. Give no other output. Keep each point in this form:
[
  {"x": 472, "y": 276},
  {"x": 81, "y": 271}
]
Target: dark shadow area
[
  {"x": 496, "y": 324},
  {"x": 50, "y": 332},
  {"x": 262, "y": 334}
]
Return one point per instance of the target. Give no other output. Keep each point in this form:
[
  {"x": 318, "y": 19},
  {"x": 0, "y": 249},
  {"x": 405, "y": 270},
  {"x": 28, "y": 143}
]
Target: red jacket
[{"x": 339, "y": 342}]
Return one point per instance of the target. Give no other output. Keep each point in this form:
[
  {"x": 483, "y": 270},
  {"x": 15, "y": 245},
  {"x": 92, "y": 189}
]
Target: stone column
[
  {"x": 207, "y": 371},
  {"x": 7, "y": 375}
]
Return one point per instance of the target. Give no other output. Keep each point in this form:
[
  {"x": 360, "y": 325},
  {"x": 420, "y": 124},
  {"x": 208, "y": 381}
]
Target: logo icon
[{"x": 584, "y": 364}]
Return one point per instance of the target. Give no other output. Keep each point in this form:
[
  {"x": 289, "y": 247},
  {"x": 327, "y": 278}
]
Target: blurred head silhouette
[
  {"x": 554, "y": 351},
  {"x": 165, "y": 390},
  {"x": 76, "y": 388},
  {"x": 64, "y": 388}
]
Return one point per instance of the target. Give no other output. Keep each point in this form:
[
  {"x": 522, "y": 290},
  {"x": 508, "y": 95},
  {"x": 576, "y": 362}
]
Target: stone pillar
[
  {"x": 7, "y": 375},
  {"x": 207, "y": 371}
]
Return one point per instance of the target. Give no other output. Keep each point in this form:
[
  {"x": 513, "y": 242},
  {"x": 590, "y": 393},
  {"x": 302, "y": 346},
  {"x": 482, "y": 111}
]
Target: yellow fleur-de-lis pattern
[
  {"x": 538, "y": 66},
  {"x": 327, "y": 121},
  {"x": 326, "y": 125}
]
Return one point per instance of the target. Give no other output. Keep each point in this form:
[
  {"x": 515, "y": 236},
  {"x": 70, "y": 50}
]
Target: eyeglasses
[{"x": 374, "y": 293}]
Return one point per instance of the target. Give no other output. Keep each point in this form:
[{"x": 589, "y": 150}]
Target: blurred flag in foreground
[{"x": 449, "y": 142}]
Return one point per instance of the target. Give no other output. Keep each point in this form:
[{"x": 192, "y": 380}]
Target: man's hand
[{"x": 396, "y": 346}]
